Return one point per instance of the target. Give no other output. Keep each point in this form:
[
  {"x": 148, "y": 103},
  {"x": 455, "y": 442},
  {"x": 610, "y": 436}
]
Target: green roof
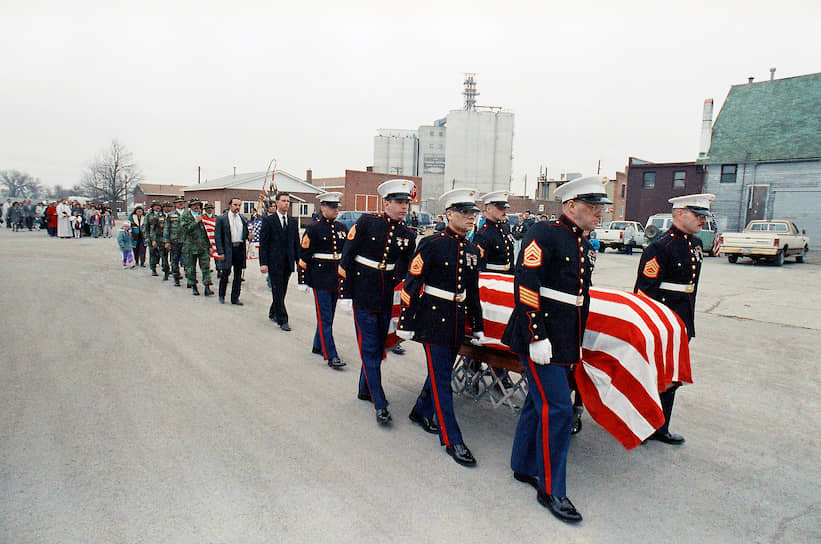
[{"x": 769, "y": 121}]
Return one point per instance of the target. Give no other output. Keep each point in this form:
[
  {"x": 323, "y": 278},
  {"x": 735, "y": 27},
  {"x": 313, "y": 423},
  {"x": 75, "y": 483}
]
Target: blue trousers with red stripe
[
  {"x": 371, "y": 333},
  {"x": 325, "y": 303},
  {"x": 436, "y": 397},
  {"x": 543, "y": 432}
]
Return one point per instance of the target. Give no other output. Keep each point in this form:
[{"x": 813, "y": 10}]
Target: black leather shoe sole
[
  {"x": 464, "y": 458},
  {"x": 427, "y": 424},
  {"x": 237, "y": 303},
  {"x": 668, "y": 438},
  {"x": 562, "y": 508},
  {"x": 527, "y": 479},
  {"x": 335, "y": 363}
]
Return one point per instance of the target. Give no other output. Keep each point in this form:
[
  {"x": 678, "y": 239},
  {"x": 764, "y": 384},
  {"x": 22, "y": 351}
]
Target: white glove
[
  {"x": 405, "y": 335},
  {"x": 303, "y": 288},
  {"x": 478, "y": 339},
  {"x": 541, "y": 352},
  {"x": 346, "y": 305}
]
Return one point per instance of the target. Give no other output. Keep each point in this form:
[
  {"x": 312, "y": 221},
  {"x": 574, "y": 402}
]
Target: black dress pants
[
  {"x": 237, "y": 264},
  {"x": 279, "y": 286}
]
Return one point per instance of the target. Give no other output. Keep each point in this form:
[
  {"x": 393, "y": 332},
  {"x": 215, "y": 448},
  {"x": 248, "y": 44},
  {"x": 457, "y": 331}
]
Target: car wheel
[
  {"x": 779, "y": 258},
  {"x": 732, "y": 259},
  {"x": 800, "y": 258}
]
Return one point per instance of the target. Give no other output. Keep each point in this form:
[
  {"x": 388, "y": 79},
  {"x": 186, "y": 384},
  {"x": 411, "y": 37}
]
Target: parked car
[
  {"x": 659, "y": 223},
  {"x": 349, "y": 217},
  {"x": 426, "y": 223},
  {"x": 613, "y": 236},
  {"x": 766, "y": 240}
]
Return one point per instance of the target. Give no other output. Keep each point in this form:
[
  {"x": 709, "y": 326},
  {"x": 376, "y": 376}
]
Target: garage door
[{"x": 803, "y": 207}]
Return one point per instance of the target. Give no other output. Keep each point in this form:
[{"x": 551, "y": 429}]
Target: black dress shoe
[
  {"x": 154, "y": 272},
  {"x": 318, "y": 351},
  {"x": 285, "y": 327},
  {"x": 222, "y": 300},
  {"x": 576, "y": 427},
  {"x": 335, "y": 362},
  {"x": 667, "y": 438},
  {"x": 461, "y": 454},
  {"x": 176, "y": 282},
  {"x": 383, "y": 417},
  {"x": 527, "y": 479},
  {"x": 208, "y": 292},
  {"x": 237, "y": 303},
  {"x": 561, "y": 507},
  {"x": 195, "y": 291},
  {"x": 165, "y": 276},
  {"x": 426, "y": 423}
]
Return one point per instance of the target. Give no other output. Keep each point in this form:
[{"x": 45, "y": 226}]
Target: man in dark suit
[
  {"x": 278, "y": 247},
  {"x": 230, "y": 234}
]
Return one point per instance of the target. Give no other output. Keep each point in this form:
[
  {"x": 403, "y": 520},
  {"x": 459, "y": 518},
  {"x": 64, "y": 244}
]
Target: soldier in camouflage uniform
[
  {"x": 158, "y": 235},
  {"x": 173, "y": 236},
  {"x": 195, "y": 248},
  {"x": 151, "y": 239}
]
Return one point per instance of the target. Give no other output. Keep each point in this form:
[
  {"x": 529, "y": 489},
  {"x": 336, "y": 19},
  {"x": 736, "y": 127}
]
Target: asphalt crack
[{"x": 785, "y": 521}]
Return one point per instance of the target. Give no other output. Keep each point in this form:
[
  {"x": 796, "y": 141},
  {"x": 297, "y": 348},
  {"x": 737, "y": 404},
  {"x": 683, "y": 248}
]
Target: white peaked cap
[
  {"x": 496, "y": 197},
  {"x": 463, "y": 199},
  {"x": 397, "y": 188},
  {"x": 589, "y": 188},
  {"x": 699, "y": 203},
  {"x": 329, "y": 198}
]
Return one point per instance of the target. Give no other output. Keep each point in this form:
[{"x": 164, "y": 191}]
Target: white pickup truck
[
  {"x": 613, "y": 235},
  {"x": 766, "y": 240}
]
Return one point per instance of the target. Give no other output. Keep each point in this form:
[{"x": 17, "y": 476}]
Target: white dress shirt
[
  {"x": 283, "y": 220},
  {"x": 236, "y": 227}
]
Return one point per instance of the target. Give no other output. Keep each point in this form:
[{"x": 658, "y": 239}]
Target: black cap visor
[
  {"x": 464, "y": 207},
  {"x": 330, "y": 204},
  {"x": 594, "y": 198},
  {"x": 698, "y": 210},
  {"x": 398, "y": 196},
  {"x": 500, "y": 204}
]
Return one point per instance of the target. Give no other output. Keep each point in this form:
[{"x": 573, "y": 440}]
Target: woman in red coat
[{"x": 51, "y": 213}]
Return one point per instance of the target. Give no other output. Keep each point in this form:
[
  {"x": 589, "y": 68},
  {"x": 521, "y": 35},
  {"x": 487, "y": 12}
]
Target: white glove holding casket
[
  {"x": 541, "y": 352},
  {"x": 346, "y": 305},
  {"x": 303, "y": 288},
  {"x": 478, "y": 338},
  {"x": 405, "y": 335}
]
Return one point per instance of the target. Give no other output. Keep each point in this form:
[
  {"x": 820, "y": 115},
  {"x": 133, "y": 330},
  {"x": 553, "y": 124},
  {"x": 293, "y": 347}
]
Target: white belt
[
  {"x": 680, "y": 287},
  {"x": 447, "y": 295},
  {"x": 561, "y": 296},
  {"x": 327, "y": 256},
  {"x": 501, "y": 267},
  {"x": 373, "y": 264}
]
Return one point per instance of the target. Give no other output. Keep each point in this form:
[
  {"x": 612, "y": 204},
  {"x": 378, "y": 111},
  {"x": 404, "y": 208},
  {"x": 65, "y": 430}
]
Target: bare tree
[
  {"x": 20, "y": 184},
  {"x": 111, "y": 175}
]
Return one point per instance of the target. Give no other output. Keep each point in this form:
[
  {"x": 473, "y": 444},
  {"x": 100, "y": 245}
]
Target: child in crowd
[
  {"x": 124, "y": 241},
  {"x": 108, "y": 224},
  {"x": 77, "y": 224}
]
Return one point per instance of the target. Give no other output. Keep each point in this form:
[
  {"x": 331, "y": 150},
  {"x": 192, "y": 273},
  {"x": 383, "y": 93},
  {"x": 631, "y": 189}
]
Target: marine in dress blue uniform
[
  {"x": 374, "y": 260},
  {"x": 668, "y": 272},
  {"x": 551, "y": 293},
  {"x": 440, "y": 293},
  {"x": 319, "y": 253}
]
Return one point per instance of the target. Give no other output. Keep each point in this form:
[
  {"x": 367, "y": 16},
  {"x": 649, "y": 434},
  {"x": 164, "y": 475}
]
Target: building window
[
  {"x": 649, "y": 180},
  {"x": 621, "y": 212},
  {"x": 728, "y": 172},
  {"x": 441, "y": 133},
  {"x": 303, "y": 210},
  {"x": 248, "y": 206},
  {"x": 431, "y": 133},
  {"x": 623, "y": 189},
  {"x": 679, "y": 178}
]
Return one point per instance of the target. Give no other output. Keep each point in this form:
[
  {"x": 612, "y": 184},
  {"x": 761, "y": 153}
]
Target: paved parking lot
[{"x": 131, "y": 411}]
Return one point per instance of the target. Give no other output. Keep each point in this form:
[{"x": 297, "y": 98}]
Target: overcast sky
[{"x": 224, "y": 84}]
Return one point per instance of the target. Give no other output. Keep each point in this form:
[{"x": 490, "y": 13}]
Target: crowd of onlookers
[{"x": 65, "y": 218}]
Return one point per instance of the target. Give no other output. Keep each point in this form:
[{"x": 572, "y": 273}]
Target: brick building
[
  {"x": 651, "y": 184},
  {"x": 248, "y": 188},
  {"x": 358, "y": 189},
  {"x": 144, "y": 193}
]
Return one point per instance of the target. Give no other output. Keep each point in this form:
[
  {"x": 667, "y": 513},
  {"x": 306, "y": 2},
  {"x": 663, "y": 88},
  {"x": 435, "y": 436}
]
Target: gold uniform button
[
  {"x": 567, "y": 259},
  {"x": 433, "y": 307},
  {"x": 535, "y": 336}
]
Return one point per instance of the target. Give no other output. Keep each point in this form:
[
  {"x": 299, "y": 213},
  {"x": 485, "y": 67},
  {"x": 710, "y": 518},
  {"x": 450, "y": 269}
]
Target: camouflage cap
[
  {"x": 193, "y": 202},
  {"x": 155, "y": 203},
  {"x": 166, "y": 203},
  {"x": 207, "y": 205},
  {"x": 178, "y": 199}
]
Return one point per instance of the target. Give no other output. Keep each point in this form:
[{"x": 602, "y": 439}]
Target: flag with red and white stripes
[
  {"x": 633, "y": 347},
  {"x": 253, "y": 229},
  {"x": 210, "y": 223}
]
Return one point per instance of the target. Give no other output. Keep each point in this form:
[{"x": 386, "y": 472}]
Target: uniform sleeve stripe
[{"x": 528, "y": 297}]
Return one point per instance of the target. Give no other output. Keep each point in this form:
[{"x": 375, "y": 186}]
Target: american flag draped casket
[{"x": 633, "y": 347}]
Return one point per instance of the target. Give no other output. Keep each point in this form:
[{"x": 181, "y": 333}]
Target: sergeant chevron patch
[
  {"x": 352, "y": 233},
  {"x": 533, "y": 255},
  {"x": 417, "y": 264},
  {"x": 651, "y": 268}
]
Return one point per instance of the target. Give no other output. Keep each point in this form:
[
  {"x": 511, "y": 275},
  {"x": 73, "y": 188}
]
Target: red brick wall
[
  {"x": 643, "y": 202},
  {"x": 360, "y": 187}
]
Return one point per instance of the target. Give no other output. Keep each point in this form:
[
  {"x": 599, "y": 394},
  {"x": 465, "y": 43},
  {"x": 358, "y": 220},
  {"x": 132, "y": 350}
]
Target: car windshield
[{"x": 658, "y": 222}]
